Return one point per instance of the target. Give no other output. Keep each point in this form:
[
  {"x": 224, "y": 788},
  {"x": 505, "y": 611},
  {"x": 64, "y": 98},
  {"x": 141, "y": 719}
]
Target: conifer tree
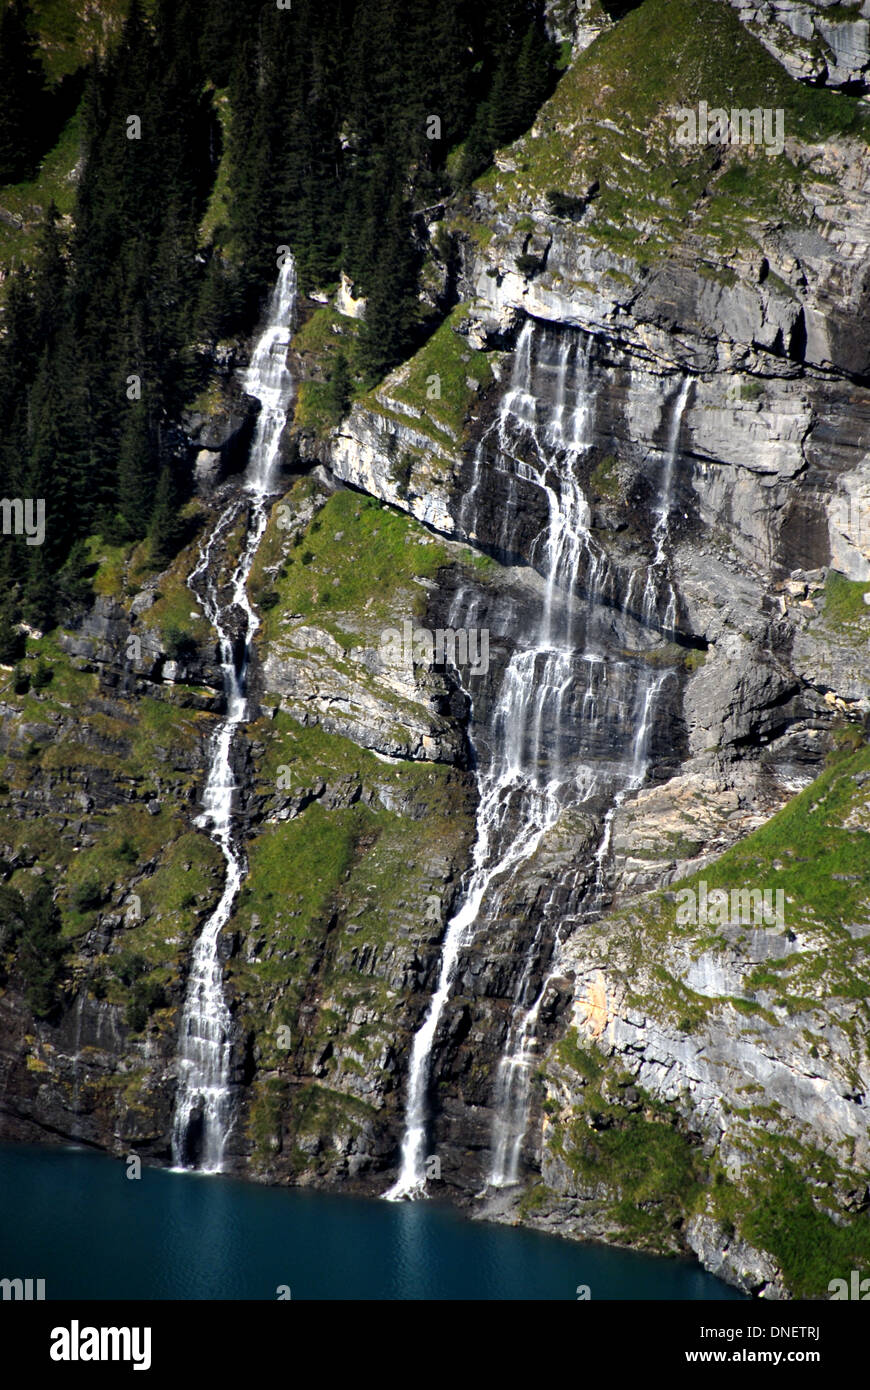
[
  {"x": 136, "y": 494},
  {"x": 11, "y": 640},
  {"x": 23, "y": 98},
  {"x": 166, "y": 527},
  {"x": 38, "y": 602},
  {"x": 340, "y": 384},
  {"x": 391, "y": 309},
  {"x": 41, "y": 952},
  {"x": 328, "y": 151}
]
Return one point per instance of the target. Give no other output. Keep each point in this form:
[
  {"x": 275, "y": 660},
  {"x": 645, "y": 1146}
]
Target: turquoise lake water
[{"x": 73, "y": 1218}]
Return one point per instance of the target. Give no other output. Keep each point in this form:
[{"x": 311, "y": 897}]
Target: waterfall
[
  {"x": 202, "y": 1119},
  {"x": 76, "y": 1061},
  {"x": 657, "y": 582},
  {"x": 511, "y": 789},
  {"x": 514, "y": 1076},
  {"x": 549, "y": 688},
  {"x": 513, "y": 1079}
]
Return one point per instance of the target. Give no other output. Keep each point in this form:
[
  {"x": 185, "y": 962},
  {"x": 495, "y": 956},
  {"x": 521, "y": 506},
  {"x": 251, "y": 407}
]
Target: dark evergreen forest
[{"x": 330, "y": 149}]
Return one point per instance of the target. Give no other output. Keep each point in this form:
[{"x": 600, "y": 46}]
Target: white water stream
[
  {"x": 203, "y": 1106},
  {"x": 527, "y": 785}
]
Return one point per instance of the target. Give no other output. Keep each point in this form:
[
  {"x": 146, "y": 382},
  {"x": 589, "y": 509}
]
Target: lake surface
[{"x": 75, "y": 1219}]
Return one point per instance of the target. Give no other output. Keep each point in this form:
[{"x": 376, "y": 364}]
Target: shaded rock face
[
  {"x": 218, "y": 435},
  {"x": 770, "y": 468},
  {"x": 571, "y": 21},
  {"x": 78, "y": 1090},
  {"x": 735, "y": 1261},
  {"x": 813, "y": 39},
  {"x": 558, "y": 727},
  {"x": 132, "y": 659}
]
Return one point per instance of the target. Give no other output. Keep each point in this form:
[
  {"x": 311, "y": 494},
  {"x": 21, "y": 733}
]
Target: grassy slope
[
  {"x": 436, "y": 379},
  {"x": 67, "y": 32},
  {"x": 28, "y": 201},
  {"x": 845, "y": 613},
  {"x": 817, "y": 849},
  {"x": 613, "y": 119},
  {"x": 433, "y": 383},
  {"x": 317, "y": 344},
  {"x": 375, "y": 554}
]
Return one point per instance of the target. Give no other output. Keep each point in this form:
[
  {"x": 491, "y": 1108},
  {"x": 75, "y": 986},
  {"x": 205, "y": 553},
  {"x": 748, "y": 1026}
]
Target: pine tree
[
  {"x": 74, "y": 588},
  {"x": 23, "y": 99},
  {"x": 391, "y": 311},
  {"x": 136, "y": 474},
  {"x": 327, "y": 152},
  {"x": 11, "y": 640},
  {"x": 39, "y": 599},
  {"x": 18, "y": 360},
  {"x": 478, "y": 146},
  {"x": 41, "y": 953},
  {"x": 532, "y": 76},
  {"x": 340, "y": 388},
  {"x": 166, "y": 528},
  {"x": 50, "y": 276}
]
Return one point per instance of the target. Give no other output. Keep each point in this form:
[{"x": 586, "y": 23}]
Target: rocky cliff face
[
  {"x": 821, "y": 42},
  {"x": 768, "y": 548},
  {"x": 659, "y": 363}
]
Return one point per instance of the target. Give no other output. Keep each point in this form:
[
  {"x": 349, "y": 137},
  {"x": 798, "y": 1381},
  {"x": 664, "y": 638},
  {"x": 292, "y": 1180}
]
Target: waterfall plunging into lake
[
  {"x": 550, "y": 733},
  {"x": 513, "y": 1078},
  {"x": 203, "y": 1117}
]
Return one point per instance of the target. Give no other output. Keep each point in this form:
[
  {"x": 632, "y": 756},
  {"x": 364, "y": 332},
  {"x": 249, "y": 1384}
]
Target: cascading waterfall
[
  {"x": 508, "y": 794},
  {"x": 513, "y": 1079},
  {"x": 547, "y": 688},
  {"x": 202, "y": 1119},
  {"x": 656, "y": 584},
  {"x": 514, "y": 1076}
]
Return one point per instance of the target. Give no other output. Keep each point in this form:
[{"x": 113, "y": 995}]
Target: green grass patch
[
  {"x": 30, "y": 199},
  {"x": 845, "y": 609},
  {"x": 436, "y": 379},
  {"x": 218, "y": 208},
  {"x": 652, "y": 1172},
  {"x": 613, "y": 119},
  {"x": 68, "y": 32},
  {"x": 112, "y": 561},
  {"x": 319, "y": 340},
  {"x": 781, "y": 1217},
  {"x": 374, "y": 553},
  {"x": 315, "y": 408},
  {"x": 816, "y": 851},
  {"x": 605, "y": 478}
]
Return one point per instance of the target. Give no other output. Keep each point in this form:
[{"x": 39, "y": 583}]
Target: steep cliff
[
  {"x": 634, "y": 454},
  {"x": 721, "y": 275}
]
